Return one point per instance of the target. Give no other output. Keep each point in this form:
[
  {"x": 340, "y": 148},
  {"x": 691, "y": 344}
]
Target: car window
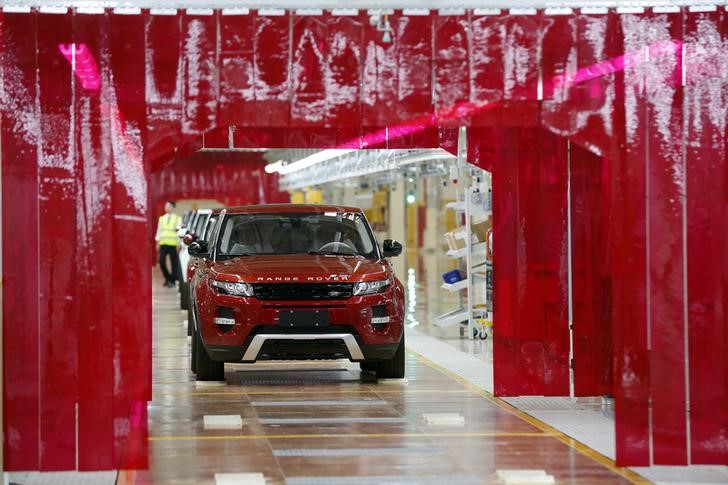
[
  {"x": 210, "y": 227},
  {"x": 339, "y": 233},
  {"x": 200, "y": 225}
]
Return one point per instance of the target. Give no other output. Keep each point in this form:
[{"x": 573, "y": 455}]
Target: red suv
[{"x": 286, "y": 281}]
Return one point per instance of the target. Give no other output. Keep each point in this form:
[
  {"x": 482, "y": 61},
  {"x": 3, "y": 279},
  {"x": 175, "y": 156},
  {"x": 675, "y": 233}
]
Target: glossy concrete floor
[{"x": 316, "y": 422}]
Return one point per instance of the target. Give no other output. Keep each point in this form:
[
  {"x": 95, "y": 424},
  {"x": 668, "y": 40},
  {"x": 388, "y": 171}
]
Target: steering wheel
[{"x": 337, "y": 247}]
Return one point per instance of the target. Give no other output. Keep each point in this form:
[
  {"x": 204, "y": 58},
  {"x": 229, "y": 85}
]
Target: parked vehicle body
[
  {"x": 287, "y": 281},
  {"x": 197, "y": 225}
]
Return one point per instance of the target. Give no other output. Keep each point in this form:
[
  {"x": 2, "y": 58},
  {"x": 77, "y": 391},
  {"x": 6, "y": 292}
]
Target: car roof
[{"x": 288, "y": 208}]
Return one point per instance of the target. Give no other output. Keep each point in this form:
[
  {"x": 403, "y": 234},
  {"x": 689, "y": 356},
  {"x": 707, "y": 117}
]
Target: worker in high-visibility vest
[{"x": 168, "y": 241}]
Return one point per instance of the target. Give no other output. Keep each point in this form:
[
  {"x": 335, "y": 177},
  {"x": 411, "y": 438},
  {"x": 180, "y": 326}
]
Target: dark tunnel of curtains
[{"x": 630, "y": 115}]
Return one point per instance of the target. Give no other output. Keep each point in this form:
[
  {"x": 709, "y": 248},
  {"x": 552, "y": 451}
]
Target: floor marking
[
  {"x": 525, "y": 477},
  {"x": 332, "y": 402},
  {"x": 333, "y": 392},
  {"x": 205, "y": 384},
  {"x": 239, "y": 479},
  {"x": 494, "y": 434},
  {"x": 324, "y": 421},
  {"x": 443, "y": 419},
  {"x": 319, "y": 452},
  {"x": 232, "y": 421},
  {"x": 402, "y": 382},
  {"x": 382, "y": 479},
  {"x": 550, "y": 430}
]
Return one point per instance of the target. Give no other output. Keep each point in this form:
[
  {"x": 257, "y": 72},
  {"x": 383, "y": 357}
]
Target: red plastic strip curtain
[
  {"x": 531, "y": 306},
  {"x": 629, "y": 256},
  {"x": 271, "y": 70},
  {"x": 93, "y": 206},
  {"x": 310, "y": 79},
  {"x": 58, "y": 293},
  {"x": 544, "y": 304},
  {"x": 237, "y": 75},
  {"x": 326, "y": 59},
  {"x": 380, "y": 81},
  {"x": 21, "y": 376},
  {"x": 504, "y": 60},
  {"x": 413, "y": 125},
  {"x": 706, "y": 97},
  {"x": 590, "y": 289},
  {"x": 573, "y": 105},
  {"x": 452, "y": 73},
  {"x": 132, "y": 332},
  {"x": 164, "y": 83},
  {"x": 231, "y": 176},
  {"x": 199, "y": 105},
  {"x": 506, "y": 249},
  {"x": 666, "y": 189}
]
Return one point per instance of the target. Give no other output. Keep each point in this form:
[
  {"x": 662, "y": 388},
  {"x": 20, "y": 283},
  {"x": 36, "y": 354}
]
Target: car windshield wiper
[
  {"x": 331, "y": 253},
  {"x": 231, "y": 256}
]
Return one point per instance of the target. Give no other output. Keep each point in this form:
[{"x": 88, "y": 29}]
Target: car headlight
[
  {"x": 237, "y": 289},
  {"x": 371, "y": 287}
]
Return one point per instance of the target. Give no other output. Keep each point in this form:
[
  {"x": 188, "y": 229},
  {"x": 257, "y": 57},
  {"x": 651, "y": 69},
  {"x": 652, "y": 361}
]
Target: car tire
[
  {"x": 184, "y": 295},
  {"x": 368, "y": 366},
  {"x": 206, "y": 368},
  {"x": 393, "y": 368}
]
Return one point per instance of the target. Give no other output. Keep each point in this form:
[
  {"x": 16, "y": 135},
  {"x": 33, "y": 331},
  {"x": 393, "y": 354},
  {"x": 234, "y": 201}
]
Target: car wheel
[
  {"x": 184, "y": 295},
  {"x": 393, "y": 368},
  {"x": 368, "y": 366},
  {"x": 206, "y": 368}
]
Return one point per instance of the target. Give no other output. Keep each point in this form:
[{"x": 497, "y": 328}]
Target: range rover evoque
[{"x": 295, "y": 282}]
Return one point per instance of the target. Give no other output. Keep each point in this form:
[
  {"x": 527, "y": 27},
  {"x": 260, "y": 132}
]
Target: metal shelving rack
[{"x": 476, "y": 265}]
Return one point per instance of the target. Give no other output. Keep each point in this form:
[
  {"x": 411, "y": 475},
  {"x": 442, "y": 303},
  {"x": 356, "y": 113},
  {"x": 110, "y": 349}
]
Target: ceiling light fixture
[{"x": 312, "y": 160}]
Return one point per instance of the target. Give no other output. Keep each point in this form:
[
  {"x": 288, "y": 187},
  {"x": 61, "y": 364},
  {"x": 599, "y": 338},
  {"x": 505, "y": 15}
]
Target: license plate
[{"x": 303, "y": 318}]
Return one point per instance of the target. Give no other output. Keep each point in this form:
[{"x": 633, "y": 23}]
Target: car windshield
[{"x": 327, "y": 233}]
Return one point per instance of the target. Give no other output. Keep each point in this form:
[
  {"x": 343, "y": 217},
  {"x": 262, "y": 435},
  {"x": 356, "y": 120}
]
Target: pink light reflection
[{"x": 86, "y": 70}]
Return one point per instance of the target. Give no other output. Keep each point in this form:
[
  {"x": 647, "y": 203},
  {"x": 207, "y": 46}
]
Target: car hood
[{"x": 291, "y": 268}]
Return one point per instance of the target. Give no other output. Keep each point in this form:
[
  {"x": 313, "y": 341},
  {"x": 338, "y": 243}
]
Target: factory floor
[{"x": 317, "y": 422}]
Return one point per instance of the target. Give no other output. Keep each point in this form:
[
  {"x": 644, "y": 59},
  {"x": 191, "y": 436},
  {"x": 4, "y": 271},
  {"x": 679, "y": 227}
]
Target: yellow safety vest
[{"x": 168, "y": 225}]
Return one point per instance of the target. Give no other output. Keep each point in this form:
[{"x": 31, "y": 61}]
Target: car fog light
[
  {"x": 224, "y": 321},
  {"x": 380, "y": 320}
]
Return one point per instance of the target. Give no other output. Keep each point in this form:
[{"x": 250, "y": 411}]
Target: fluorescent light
[
  {"x": 312, "y": 160},
  {"x": 274, "y": 167}
]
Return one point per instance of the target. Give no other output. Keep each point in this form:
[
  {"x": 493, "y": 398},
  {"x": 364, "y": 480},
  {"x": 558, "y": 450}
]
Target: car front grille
[{"x": 303, "y": 291}]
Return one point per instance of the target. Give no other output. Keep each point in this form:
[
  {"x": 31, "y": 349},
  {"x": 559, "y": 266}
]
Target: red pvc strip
[
  {"x": 132, "y": 331},
  {"x": 506, "y": 341},
  {"x": 20, "y": 219},
  {"x": 590, "y": 281},
  {"x": 629, "y": 262},
  {"x": 452, "y": 62},
  {"x": 58, "y": 247},
  {"x": 94, "y": 256},
  {"x": 666, "y": 274},
  {"x": 707, "y": 186},
  {"x": 200, "y": 76},
  {"x": 237, "y": 75}
]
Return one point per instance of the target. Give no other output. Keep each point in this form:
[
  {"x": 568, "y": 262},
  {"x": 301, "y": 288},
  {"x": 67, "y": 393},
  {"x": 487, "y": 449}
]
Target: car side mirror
[
  {"x": 197, "y": 248},
  {"x": 391, "y": 248},
  {"x": 188, "y": 239}
]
